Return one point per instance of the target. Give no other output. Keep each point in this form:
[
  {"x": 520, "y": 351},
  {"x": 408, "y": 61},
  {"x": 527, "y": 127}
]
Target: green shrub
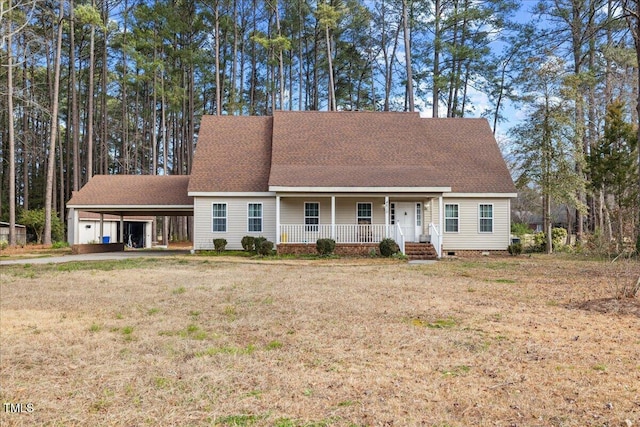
[
  {"x": 248, "y": 243},
  {"x": 265, "y": 248},
  {"x": 34, "y": 220},
  {"x": 519, "y": 229},
  {"x": 515, "y": 249},
  {"x": 257, "y": 242},
  {"x": 219, "y": 244},
  {"x": 558, "y": 236},
  {"x": 325, "y": 246},
  {"x": 60, "y": 245},
  {"x": 388, "y": 247}
]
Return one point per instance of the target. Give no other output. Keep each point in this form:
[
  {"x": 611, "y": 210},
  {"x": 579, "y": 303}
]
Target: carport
[{"x": 129, "y": 195}]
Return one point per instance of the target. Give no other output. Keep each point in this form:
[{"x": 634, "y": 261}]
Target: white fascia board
[
  {"x": 282, "y": 189},
  {"x": 231, "y": 194},
  {"x": 483, "y": 195},
  {"x": 131, "y": 207}
]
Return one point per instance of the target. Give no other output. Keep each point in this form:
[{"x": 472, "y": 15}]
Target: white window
[
  {"x": 254, "y": 217},
  {"x": 418, "y": 214},
  {"x": 219, "y": 217},
  {"x": 365, "y": 213},
  {"x": 451, "y": 218},
  {"x": 311, "y": 216},
  {"x": 392, "y": 214},
  {"x": 486, "y": 218}
]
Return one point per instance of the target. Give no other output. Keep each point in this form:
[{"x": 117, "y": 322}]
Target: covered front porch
[{"x": 359, "y": 219}]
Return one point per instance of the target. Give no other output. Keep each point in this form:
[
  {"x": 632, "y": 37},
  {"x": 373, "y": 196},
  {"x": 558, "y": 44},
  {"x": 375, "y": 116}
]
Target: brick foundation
[
  {"x": 343, "y": 249},
  {"x": 97, "y": 248}
]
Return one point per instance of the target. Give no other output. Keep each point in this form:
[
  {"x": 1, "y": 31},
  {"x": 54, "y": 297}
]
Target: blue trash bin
[{"x": 105, "y": 239}]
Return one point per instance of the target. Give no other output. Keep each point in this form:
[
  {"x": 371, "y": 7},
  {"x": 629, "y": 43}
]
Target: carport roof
[{"x": 134, "y": 195}]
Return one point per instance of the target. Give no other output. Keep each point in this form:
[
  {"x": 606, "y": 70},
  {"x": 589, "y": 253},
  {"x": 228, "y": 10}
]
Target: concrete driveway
[{"x": 97, "y": 257}]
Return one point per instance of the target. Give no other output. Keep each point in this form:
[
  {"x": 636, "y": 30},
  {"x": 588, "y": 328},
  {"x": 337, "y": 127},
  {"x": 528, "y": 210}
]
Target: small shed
[{"x": 21, "y": 233}]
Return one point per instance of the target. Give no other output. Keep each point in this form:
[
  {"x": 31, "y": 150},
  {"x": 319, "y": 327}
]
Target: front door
[{"x": 406, "y": 217}]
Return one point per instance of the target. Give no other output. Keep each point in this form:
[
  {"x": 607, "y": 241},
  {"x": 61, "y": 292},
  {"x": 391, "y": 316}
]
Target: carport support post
[
  {"x": 73, "y": 225},
  {"x": 101, "y": 227},
  {"x": 121, "y": 237}
]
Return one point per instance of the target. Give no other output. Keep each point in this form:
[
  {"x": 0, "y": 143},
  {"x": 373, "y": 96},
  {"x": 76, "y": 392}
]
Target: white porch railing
[
  {"x": 436, "y": 238},
  {"x": 341, "y": 233}
]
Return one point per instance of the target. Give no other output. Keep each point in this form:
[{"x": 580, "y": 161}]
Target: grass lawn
[{"x": 527, "y": 341}]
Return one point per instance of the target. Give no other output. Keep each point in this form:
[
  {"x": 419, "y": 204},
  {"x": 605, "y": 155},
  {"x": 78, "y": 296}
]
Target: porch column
[
  {"x": 278, "y": 220},
  {"x": 386, "y": 216},
  {"x": 121, "y": 237},
  {"x": 440, "y": 225},
  {"x": 101, "y": 227},
  {"x": 73, "y": 226},
  {"x": 333, "y": 217}
]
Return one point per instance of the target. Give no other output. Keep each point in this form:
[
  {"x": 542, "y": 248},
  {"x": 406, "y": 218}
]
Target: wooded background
[{"x": 118, "y": 87}]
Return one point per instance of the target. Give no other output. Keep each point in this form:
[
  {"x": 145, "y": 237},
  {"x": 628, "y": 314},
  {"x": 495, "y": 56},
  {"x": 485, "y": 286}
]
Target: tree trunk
[
  {"x": 89, "y": 154},
  {"x": 217, "y": 60},
  {"x": 75, "y": 115},
  {"x": 48, "y": 207},
  {"x": 12, "y": 142},
  {"x": 332, "y": 88},
  {"x": 436, "y": 57},
  {"x": 407, "y": 53}
]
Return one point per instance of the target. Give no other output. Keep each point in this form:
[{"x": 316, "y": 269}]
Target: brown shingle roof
[
  {"x": 133, "y": 190},
  {"x": 233, "y": 154},
  {"x": 373, "y": 149},
  {"x": 347, "y": 149}
]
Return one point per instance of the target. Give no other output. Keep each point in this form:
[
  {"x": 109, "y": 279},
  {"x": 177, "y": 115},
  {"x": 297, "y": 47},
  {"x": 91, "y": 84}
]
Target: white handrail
[
  {"x": 400, "y": 237},
  {"x": 436, "y": 238}
]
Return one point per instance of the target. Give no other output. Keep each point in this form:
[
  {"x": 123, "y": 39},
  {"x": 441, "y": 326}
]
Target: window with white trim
[
  {"x": 311, "y": 216},
  {"x": 219, "y": 217},
  {"x": 365, "y": 213},
  {"x": 451, "y": 218},
  {"x": 485, "y": 214},
  {"x": 392, "y": 214},
  {"x": 418, "y": 214},
  {"x": 254, "y": 218}
]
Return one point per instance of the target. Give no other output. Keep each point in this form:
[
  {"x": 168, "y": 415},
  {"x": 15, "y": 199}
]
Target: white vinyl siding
[
  {"x": 292, "y": 209},
  {"x": 469, "y": 236},
  {"x": 236, "y": 220}
]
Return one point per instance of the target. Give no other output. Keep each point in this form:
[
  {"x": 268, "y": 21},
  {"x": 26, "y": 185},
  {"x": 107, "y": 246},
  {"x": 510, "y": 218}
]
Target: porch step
[{"x": 420, "y": 251}]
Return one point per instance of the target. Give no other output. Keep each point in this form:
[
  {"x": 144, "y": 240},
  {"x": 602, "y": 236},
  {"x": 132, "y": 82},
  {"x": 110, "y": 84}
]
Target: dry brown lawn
[{"x": 231, "y": 341}]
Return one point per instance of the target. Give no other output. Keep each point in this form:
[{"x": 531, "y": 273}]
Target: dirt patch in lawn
[
  {"x": 219, "y": 341},
  {"x": 622, "y": 306}
]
